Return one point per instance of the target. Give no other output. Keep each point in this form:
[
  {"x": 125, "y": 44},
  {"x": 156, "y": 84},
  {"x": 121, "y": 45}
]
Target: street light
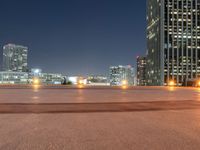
[
  {"x": 198, "y": 83},
  {"x": 171, "y": 83},
  {"x": 124, "y": 82},
  {"x": 36, "y": 81},
  {"x": 81, "y": 82}
]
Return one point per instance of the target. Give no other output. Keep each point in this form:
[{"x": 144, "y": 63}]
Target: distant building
[
  {"x": 36, "y": 72},
  {"x": 14, "y": 78},
  {"x": 141, "y": 71},
  {"x": 15, "y": 58},
  {"x": 50, "y": 78},
  {"x": 173, "y": 41},
  {"x": 77, "y": 79},
  {"x": 120, "y": 73},
  {"x": 10, "y": 77},
  {"x": 46, "y": 78},
  {"x": 97, "y": 80}
]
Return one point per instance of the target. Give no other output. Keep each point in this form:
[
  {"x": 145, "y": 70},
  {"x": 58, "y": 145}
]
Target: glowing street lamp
[
  {"x": 171, "y": 83},
  {"x": 80, "y": 82},
  {"x": 124, "y": 83},
  {"x": 198, "y": 83},
  {"x": 36, "y": 81}
]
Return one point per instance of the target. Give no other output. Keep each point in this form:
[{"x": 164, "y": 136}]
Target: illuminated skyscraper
[
  {"x": 118, "y": 74},
  {"x": 15, "y": 58},
  {"x": 173, "y": 41},
  {"x": 141, "y": 71}
]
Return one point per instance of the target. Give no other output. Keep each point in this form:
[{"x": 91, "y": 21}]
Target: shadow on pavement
[{"x": 97, "y": 107}]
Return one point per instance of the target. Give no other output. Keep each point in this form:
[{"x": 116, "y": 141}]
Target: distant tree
[{"x": 69, "y": 83}]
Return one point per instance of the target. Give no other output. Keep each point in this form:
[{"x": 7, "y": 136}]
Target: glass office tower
[
  {"x": 173, "y": 41},
  {"x": 120, "y": 73},
  {"x": 15, "y": 58},
  {"x": 141, "y": 71}
]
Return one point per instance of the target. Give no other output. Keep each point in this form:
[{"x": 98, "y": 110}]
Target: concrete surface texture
[{"x": 175, "y": 126}]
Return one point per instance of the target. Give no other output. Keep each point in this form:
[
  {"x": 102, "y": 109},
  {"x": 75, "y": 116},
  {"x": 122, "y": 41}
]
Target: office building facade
[
  {"x": 173, "y": 41},
  {"x": 97, "y": 80},
  {"x": 46, "y": 78},
  {"x": 14, "y": 77},
  {"x": 120, "y": 73},
  {"x": 141, "y": 71},
  {"x": 10, "y": 77},
  {"x": 15, "y": 58}
]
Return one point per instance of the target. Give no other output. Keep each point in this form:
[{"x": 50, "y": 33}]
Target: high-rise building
[
  {"x": 118, "y": 74},
  {"x": 173, "y": 41},
  {"x": 141, "y": 71},
  {"x": 15, "y": 58}
]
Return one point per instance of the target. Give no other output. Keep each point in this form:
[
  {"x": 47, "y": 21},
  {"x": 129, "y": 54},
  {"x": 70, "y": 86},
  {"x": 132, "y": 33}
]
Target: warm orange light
[
  {"x": 80, "y": 82},
  {"x": 36, "y": 81},
  {"x": 36, "y": 87},
  {"x": 198, "y": 83},
  {"x": 124, "y": 87},
  {"x": 171, "y": 83},
  {"x": 124, "y": 83},
  {"x": 171, "y": 88},
  {"x": 80, "y": 86}
]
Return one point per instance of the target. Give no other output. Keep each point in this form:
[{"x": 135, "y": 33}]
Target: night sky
[{"x": 75, "y": 37}]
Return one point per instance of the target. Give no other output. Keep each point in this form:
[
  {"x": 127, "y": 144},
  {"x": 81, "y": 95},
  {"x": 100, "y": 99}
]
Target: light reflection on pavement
[{"x": 97, "y": 95}]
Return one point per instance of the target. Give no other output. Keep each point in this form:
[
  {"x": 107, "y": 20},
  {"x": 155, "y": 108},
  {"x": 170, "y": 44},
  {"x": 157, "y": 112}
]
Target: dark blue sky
[{"x": 76, "y": 37}]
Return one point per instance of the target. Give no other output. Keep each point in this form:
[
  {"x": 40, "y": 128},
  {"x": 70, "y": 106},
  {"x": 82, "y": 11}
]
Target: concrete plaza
[{"x": 90, "y": 118}]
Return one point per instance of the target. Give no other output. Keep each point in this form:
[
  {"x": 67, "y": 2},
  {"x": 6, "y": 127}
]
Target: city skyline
[
  {"x": 77, "y": 35},
  {"x": 99, "y": 74}
]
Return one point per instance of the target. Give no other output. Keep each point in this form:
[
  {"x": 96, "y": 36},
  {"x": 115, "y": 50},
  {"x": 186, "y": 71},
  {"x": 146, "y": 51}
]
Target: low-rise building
[
  {"x": 7, "y": 77},
  {"x": 27, "y": 78},
  {"x": 46, "y": 78},
  {"x": 77, "y": 80},
  {"x": 97, "y": 80}
]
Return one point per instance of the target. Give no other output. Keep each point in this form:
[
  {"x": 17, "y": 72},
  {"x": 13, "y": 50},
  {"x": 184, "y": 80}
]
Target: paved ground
[{"x": 99, "y": 118}]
